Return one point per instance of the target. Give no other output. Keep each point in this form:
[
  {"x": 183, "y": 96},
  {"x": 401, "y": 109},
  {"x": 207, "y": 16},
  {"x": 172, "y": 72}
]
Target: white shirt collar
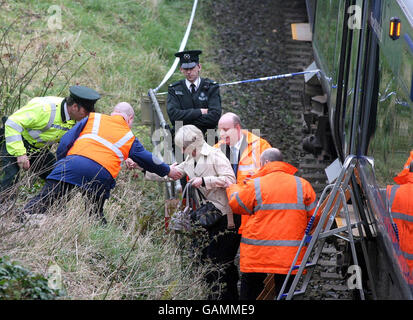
[
  {"x": 238, "y": 144},
  {"x": 67, "y": 116},
  {"x": 236, "y": 148},
  {"x": 197, "y": 83}
]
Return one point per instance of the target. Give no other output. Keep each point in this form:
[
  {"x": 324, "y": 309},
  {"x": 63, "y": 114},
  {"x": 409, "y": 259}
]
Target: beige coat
[{"x": 215, "y": 168}]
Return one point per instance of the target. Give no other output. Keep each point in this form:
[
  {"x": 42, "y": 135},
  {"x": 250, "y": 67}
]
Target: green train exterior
[{"x": 367, "y": 74}]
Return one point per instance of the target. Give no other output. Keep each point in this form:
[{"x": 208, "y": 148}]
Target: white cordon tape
[
  {"x": 280, "y": 76},
  {"x": 181, "y": 48}
]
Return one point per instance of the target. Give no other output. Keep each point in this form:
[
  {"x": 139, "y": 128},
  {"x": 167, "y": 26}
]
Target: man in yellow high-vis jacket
[{"x": 30, "y": 131}]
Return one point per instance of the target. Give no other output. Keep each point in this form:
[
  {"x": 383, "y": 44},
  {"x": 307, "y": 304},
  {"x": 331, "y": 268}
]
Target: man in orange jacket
[
  {"x": 401, "y": 209},
  {"x": 90, "y": 156},
  {"x": 279, "y": 206},
  {"x": 242, "y": 148}
]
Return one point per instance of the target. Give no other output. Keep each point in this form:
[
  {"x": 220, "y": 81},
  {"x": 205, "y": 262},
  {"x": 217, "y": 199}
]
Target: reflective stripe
[
  {"x": 311, "y": 206},
  {"x": 13, "y": 138},
  {"x": 402, "y": 216},
  {"x": 393, "y": 194},
  {"x": 407, "y": 255},
  {"x": 105, "y": 143},
  {"x": 96, "y": 123},
  {"x": 299, "y": 190},
  {"x": 35, "y": 134},
  {"x": 10, "y": 123},
  {"x": 271, "y": 243},
  {"x": 248, "y": 167},
  {"x": 254, "y": 165},
  {"x": 280, "y": 206},
  {"x": 124, "y": 139},
  {"x": 241, "y": 204},
  {"x": 253, "y": 154},
  {"x": 257, "y": 186},
  {"x": 56, "y": 126}
]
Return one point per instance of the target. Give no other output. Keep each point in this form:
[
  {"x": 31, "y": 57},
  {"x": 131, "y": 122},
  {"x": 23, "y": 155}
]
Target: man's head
[
  {"x": 125, "y": 110},
  {"x": 189, "y": 64},
  {"x": 81, "y": 102},
  {"x": 411, "y": 166},
  {"x": 229, "y": 126},
  {"x": 270, "y": 155}
]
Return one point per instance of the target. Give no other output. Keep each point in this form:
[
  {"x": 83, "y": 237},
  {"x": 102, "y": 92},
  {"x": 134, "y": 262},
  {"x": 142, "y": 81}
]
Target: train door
[{"x": 348, "y": 86}]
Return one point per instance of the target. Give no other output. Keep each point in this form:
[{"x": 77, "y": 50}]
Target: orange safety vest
[
  {"x": 279, "y": 206},
  {"x": 401, "y": 210},
  {"x": 106, "y": 140},
  {"x": 249, "y": 160},
  {"x": 401, "y": 177}
]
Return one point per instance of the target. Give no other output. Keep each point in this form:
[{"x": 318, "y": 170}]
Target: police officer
[
  {"x": 194, "y": 100},
  {"x": 30, "y": 131}
]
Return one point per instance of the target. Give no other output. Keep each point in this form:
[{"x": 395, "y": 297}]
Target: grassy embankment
[{"x": 121, "y": 49}]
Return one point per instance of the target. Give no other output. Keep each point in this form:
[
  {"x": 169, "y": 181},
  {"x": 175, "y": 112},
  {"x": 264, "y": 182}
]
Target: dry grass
[
  {"x": 121, "y": 49},
  {"x": 118, "y": 261}
]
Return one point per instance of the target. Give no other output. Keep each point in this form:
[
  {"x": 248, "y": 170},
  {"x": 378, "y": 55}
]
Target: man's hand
[
  {"x": 130, "y": 164},
  {"x": 23, "y": 162},
  {"x": 174, "y": 173},
  {"x": 196, "y": 182},
  {"x": 204, "y": 111}
]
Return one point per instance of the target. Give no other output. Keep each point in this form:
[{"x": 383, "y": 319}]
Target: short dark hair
[
  {"x": 70, "y": 101},
  {"x": 411, "y": 166}
]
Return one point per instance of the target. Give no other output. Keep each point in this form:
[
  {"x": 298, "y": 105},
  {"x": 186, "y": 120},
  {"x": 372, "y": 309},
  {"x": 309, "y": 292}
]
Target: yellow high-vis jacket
[{"x": 39, "y": 122}]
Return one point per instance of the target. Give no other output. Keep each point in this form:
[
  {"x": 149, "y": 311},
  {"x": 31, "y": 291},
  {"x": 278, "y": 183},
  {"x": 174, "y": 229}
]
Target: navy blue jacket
[{"x": 79, "y": 170}]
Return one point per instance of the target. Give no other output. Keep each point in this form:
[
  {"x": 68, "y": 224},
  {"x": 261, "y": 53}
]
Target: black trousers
[
  {"x": 53, "y": 191},
  {"x": 252, "y": 284},
  {"x": 41, "y": 163},
  {"x": 221, "y": 250}
]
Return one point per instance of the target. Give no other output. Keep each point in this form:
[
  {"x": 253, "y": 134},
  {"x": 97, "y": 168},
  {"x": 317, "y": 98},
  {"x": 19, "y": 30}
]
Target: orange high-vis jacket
[
  {"x": 401, "y": 178},
  {"x": 106, "y": 140},
  {"x": 401, "y": 206},
  {"x": 249, "y": 160},
  {"x": 279, "y": 206}
]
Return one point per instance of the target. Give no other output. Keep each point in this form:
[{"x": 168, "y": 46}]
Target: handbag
[
  {"x": 206, "y": 214},
  {"x": 181, "y": 219}
]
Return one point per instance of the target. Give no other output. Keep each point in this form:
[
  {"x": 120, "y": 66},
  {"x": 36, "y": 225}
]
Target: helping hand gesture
[{"x": 174, "y": 173}]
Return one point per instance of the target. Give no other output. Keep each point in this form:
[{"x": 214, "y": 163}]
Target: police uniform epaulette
[{"x": 175, "y": 83}]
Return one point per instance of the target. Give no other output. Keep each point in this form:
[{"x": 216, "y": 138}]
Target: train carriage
[{"x": 364, "y": 49}]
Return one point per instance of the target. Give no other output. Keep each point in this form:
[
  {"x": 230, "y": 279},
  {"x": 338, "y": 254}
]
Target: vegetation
[
  {"x": 121, "y": 49},
  {"x": 17, "y": 282}
]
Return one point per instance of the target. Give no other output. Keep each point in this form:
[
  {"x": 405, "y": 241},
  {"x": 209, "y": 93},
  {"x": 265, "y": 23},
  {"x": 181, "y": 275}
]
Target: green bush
[{"x": 18, "y": 283}]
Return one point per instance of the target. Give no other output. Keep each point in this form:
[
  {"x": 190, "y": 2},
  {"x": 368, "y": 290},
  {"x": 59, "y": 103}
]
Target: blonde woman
[{"x": 209, "y": 170}]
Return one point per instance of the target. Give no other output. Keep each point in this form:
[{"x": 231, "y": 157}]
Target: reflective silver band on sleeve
[
  {"x": 17, "y": 137},
  {"x": 10, "y": 123}
]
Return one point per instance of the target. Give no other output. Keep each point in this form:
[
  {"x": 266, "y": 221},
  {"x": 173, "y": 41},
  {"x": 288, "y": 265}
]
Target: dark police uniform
[{"x": 182, "y": 105}]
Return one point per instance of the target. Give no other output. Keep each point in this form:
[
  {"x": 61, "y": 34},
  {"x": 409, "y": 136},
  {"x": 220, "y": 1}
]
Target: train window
[
  {"x": 393, "y": 137},
  {"x": 326, "y": 32},
  {"x": 406, "y": 72}
]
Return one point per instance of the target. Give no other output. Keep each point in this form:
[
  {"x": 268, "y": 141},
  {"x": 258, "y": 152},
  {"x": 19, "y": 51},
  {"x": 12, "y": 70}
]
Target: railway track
[{"x": 255, "y": 40}]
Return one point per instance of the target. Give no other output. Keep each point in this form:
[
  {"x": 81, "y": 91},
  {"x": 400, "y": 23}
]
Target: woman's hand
[{"x": 196, "y": 182}]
